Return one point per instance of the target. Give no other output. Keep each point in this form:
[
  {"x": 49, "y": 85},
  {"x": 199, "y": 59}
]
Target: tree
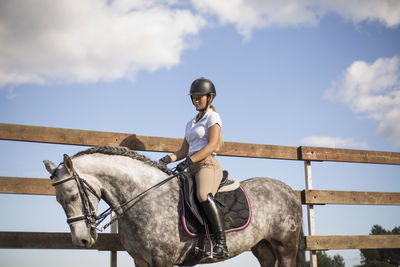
[
  {"x": 381, "y": 257},
  {"x": 324, "y": 260}
]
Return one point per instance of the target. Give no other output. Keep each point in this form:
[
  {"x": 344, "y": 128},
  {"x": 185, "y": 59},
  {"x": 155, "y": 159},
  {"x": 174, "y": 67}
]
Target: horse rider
[{"x": 202, "y": 140}]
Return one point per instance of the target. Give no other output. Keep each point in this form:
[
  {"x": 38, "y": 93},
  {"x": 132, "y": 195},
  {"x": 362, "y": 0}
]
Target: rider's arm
[{"x": 181, "y": 153}]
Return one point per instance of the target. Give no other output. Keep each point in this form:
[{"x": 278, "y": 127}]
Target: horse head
[{"x": 79, "y": 198}]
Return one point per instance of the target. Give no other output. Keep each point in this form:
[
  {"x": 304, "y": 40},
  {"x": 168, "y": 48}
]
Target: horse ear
[
  {"x": 50, "y": 166},
  {"x": 68, "y": 163}
]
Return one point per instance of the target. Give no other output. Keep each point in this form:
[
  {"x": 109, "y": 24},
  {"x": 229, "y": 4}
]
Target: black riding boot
[{"x": 214, "y": 217}]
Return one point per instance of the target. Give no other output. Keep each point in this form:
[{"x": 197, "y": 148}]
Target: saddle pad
[{"x": 235, "y": 207}]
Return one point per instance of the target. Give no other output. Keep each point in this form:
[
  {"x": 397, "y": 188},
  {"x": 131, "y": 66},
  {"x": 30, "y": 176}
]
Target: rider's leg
[
  {"x": 215, "y": 219},
  {"x": 208, "y": 178},
  {"x": 208, "y": 174}
]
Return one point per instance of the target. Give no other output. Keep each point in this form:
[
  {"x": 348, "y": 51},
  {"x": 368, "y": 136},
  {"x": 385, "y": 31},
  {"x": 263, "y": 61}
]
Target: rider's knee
[{"x": 202, "y": 196}]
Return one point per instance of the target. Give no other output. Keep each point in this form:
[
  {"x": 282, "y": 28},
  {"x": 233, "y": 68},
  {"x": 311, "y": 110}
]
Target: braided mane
[{"x": 123, "y": 151}]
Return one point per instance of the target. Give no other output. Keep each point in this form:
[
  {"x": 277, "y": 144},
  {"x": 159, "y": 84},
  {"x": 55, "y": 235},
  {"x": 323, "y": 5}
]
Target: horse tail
[{"x": 301, "y": 251}]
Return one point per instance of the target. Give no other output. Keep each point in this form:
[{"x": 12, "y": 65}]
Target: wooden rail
[
  {"x": 28, "y": 186},
  {"x": 37, "y": 240},
  {"x": 352, "y": 242},
  {"x": 132, "y": 141},
  {"x": 162, "y": 144},
  {"x": 40, "y": 186},
  {"x": 322, "y": 197}
]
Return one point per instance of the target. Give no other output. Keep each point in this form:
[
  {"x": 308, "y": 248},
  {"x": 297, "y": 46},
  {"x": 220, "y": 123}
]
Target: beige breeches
[{"x": 208, "y": 175}]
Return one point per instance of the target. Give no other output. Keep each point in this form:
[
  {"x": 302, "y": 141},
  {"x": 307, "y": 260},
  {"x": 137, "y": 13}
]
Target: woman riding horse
[{"x": 202, "y": 140}]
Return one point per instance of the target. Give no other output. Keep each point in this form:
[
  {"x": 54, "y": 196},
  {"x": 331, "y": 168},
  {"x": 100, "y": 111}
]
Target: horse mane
[{"x": 124, "y": 151}]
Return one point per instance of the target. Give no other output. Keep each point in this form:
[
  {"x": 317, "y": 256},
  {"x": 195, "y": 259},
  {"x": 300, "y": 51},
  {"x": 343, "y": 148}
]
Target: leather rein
[{"x": 92, "y": 220}]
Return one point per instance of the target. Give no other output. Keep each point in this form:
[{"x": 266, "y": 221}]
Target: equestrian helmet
[{"x": 202, "y": 86}]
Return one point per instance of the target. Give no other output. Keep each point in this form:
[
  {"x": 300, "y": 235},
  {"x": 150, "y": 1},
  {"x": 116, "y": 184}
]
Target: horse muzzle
[{"x": 83, "y": 236}]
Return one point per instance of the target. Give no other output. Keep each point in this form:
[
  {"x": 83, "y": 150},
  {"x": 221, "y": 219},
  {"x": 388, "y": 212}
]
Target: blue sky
[{"x": 320, "y": 73}]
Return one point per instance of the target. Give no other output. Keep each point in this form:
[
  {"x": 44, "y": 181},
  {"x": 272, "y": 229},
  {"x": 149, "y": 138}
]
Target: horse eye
[{"x": 74, "y": 197}]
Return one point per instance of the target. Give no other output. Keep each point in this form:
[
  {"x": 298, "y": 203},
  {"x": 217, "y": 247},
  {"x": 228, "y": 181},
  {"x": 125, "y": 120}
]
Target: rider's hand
[
  {"x": 184, "y": 164},
  {"x": 165, "y": 160}
]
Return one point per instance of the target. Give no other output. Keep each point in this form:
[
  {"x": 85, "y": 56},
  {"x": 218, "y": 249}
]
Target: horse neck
[{"x": 120, "y": 177}]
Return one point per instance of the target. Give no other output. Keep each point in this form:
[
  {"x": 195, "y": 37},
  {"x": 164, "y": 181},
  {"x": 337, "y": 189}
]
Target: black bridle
[
  {"x": 83, "y": 188},
  {"x": 92, "y": 220}
]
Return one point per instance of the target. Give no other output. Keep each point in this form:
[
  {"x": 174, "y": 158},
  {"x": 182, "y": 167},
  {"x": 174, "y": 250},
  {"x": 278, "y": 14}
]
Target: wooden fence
[{"x": 309, "y": 197}]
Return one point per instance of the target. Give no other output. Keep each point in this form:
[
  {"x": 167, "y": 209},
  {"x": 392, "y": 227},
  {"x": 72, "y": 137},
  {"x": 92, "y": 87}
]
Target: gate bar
[{"x": 310, "y": 212}]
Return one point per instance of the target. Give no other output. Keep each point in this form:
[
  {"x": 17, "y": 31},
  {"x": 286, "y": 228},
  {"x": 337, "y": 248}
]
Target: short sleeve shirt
[{"x": 196, "y": 133}]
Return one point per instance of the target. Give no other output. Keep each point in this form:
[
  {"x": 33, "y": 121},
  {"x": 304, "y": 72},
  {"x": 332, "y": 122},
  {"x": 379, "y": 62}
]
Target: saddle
[{"x": 231, "y": 197}]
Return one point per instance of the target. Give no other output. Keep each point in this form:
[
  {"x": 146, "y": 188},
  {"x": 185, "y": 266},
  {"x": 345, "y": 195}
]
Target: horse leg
[
  {"x": 264, "y": 254},
  {"x": 287, "y": 254}
]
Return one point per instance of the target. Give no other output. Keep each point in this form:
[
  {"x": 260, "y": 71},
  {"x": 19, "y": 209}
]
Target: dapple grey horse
[{"x": 151, "y": 230}]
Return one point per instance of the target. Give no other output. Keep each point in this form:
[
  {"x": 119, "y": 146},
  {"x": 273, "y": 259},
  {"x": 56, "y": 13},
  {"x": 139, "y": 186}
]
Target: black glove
[
  {"x": 165, "y": 160},
  {"x": 184, "y": 164}
]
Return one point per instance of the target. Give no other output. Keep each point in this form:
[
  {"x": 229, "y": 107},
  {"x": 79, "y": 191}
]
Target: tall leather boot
[{"x": 214, "y": 217}]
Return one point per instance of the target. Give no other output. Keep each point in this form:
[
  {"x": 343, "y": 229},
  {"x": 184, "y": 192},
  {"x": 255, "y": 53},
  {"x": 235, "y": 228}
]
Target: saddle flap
[{"x": 190, "y": 198}]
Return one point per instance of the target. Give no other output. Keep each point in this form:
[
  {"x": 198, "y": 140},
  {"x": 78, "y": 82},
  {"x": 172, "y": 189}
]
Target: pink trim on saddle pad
[
  {"x": 181, "y": 199},
  {"x": 227, "y": 231}
]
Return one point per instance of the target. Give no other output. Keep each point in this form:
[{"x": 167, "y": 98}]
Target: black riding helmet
[{"x": 202, "y": 86}]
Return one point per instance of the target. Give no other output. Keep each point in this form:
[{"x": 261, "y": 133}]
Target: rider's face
[{"x": 200, "y": 101}]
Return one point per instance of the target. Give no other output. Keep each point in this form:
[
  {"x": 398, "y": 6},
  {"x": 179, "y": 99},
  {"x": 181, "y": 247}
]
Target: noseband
[{"x": 84, "y": 188}]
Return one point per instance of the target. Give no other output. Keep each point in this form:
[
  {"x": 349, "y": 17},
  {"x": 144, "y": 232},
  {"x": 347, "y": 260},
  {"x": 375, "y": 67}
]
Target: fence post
[
  {"x": 310, "y": 212},
  {"x": 113, "y": 253}
]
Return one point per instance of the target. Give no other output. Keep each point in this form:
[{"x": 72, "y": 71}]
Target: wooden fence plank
[
  {"x": 30, "y": 186},
  {"x": 163, "y": 144},
  {"x": 348, "y": 155},
  {"x": 352, "y": 242},
  {"x": 259, "y": 151},
  {"x": 40, "y": 186},
  {"x": 351, "y": 197},
  {"x": 61, "y": 135},
  {"x": 40, "y": 240},
  {"x": 141, "y": 143}
]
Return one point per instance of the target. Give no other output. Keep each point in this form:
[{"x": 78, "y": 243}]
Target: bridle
[
  {"x": 92, "y": 220},
  {"x": 84, "y": 188}
]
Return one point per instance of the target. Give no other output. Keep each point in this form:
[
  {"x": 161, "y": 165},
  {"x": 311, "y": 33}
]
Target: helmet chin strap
[{"x": 204, "y": 109}]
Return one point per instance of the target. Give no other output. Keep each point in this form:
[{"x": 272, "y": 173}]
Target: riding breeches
[{"x": 208, "y": 173}]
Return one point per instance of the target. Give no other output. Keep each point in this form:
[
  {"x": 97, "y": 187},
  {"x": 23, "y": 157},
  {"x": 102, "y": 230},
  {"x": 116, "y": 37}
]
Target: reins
[
  {"x": 135, "y": 199},
  {"x": 90, "y": 216}
]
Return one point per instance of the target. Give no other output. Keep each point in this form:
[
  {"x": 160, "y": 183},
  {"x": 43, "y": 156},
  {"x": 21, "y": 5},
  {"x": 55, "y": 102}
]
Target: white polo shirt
[{"x": 196, "y": 133}]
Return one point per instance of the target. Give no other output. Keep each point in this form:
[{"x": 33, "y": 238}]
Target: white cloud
[
  {"x": 373, "y": 90},
  {"x": 248, "y": 15},
  {"x": 43, "y": 41},
  {"x": 384, "y": 11},
  {"x": 333, "y": 142},
  {"x": 46, "y": 40}
]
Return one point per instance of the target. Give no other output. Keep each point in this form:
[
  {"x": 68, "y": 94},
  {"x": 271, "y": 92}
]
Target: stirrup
[{"x": 219, "y": 252}]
